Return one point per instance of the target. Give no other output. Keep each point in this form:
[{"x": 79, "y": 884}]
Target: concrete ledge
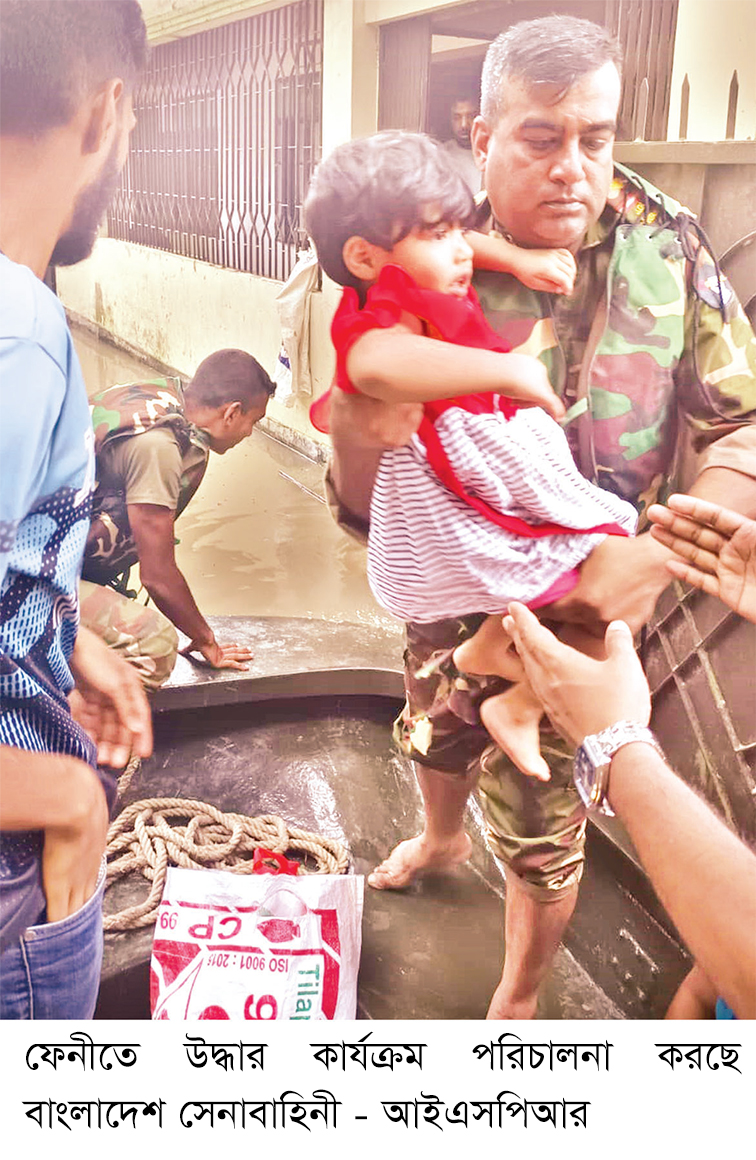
[
  {"x": 686, "y": 152},
  {"x": 293, "y": 658}
]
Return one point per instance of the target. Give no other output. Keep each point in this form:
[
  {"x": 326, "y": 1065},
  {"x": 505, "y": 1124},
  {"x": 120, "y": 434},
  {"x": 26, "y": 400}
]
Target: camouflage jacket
[
  {"x": 125, "y": 412},
  {"x": 667, "y": 338}
]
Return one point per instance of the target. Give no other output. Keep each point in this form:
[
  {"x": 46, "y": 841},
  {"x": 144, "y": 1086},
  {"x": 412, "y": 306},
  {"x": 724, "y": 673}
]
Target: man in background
[{"x": 458, "y": 148}]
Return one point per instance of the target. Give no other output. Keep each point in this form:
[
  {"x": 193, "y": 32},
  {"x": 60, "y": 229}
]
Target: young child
[{"x": 485, "y": 505}]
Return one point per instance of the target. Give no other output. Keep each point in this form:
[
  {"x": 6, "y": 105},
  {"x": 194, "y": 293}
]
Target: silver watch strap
[{"x": 611, "y": 740}]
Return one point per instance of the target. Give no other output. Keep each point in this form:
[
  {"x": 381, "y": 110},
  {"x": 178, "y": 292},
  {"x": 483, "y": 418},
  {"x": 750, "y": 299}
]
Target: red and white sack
[{"x": 230, "y": 946}]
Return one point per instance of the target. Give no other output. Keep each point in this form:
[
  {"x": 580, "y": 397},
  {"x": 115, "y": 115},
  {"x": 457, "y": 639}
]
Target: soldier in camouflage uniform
[
  {"x": 651, "y": 332},
  {"x": 152, "y": 442},
  {"x": 120, "y": 413}
]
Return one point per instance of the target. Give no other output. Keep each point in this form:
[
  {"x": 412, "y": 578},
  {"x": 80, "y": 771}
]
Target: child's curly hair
[{"x": 380, "y": 188}]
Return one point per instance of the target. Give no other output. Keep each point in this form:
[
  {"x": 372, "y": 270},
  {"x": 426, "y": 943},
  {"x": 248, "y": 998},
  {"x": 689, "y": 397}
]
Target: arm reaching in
[
  {"x": 398, "y": 365},
  {"x": 717, "y": 547},
  {"x": 704, "y": 875},
  {"x": 152, "y": 528},
  {"x": 552, "y": 271},
  {"x": 581, "y": 695},
  {"x": 109, "y": 702},
  {"x": 602, "y": 593}
]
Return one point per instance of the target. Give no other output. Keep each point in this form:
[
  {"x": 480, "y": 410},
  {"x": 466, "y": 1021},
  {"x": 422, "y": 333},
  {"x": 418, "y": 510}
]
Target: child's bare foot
[
  {"x": 514, "y": 725},
  {"x": 416, "y": 855},
  {"x": 489, "y": 652}
]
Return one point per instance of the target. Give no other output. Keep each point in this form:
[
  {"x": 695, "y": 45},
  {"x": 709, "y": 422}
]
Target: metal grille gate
[{"x": 228, "y": 133}]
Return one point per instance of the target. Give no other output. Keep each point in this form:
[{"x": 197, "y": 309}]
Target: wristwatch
[{"x": 590, "y": 771}]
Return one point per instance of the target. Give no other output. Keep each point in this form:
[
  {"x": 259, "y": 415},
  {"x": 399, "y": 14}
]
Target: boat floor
[{"x": 306, "y": 734}]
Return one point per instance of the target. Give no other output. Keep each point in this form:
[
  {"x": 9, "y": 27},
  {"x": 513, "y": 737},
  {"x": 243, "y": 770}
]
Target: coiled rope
[{"x": 143, "y": 838}]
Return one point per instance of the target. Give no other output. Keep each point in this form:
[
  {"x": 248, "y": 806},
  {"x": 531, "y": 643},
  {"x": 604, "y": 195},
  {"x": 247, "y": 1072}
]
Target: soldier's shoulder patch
[{"x": 713, "y": 288}]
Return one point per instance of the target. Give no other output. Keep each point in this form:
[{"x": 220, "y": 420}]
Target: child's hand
[
  {"x": 552, "y": 271},
  {"x": 528, "y": 383}
]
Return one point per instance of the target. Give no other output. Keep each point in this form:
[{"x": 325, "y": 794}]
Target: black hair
[
  {"x": 554, "y": 51},
  {"x": 53, "y": 53},
  {"x": 380, "y": 188},
  {"x": 230, "y": 376}
]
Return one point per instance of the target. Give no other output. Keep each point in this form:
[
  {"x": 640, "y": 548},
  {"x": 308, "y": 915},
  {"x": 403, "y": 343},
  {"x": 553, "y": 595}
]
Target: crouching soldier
[{"x": 152, "y": 443}]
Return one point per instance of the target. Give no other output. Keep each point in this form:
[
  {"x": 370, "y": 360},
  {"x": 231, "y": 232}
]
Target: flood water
[{"x": 257, "y": 539}]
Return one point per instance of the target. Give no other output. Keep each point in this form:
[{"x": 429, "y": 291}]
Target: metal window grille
[{"x": 228, "y": 133}]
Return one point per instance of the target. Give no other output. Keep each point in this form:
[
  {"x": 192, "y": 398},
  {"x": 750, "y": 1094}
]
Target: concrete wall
[
  {"x": 169, "y": 19},
  {"x": 713, "y": 38},
  {"x": 383, "y": 11}
]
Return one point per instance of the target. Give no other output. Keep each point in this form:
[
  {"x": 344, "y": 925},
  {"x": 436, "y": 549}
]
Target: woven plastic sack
[{"x": 231, "y": 946}]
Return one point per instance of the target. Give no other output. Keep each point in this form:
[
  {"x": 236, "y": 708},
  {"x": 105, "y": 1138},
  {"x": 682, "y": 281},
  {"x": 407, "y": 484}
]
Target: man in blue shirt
[{"x": 66, "y": 76}]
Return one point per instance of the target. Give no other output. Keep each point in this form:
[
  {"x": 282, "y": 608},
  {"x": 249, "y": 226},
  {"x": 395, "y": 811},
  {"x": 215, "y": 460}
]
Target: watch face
[
  {"x": 584, "y": 776},
  {"x": 595, "y": 760},
  {"x": 590, "y": 766}
]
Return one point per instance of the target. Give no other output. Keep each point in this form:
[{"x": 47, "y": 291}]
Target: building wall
[
  {"x": 713, "y": 38},
  {"x": 168, "y": 19},
  {"x": 177, "y": 310}
]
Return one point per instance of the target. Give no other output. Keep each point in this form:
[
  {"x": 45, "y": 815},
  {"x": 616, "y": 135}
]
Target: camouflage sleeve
[{"x": 717, "y": 374}]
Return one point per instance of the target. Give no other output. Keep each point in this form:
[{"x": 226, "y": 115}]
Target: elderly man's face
[{"x": 548, "y": 164}]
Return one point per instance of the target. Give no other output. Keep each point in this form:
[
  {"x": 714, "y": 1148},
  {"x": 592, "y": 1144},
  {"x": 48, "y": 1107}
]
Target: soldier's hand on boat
[
  {"x": 220, "y": 656},
  {"x": 109, "y": 702},
  {"x": 581, "y": 695},
  {"x": 716, "y": 549}
]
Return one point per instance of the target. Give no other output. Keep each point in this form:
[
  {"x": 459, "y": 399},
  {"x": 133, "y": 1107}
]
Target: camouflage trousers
[
  {"x": 142, "y": 636},
  {"x": 536, "y": 828}
]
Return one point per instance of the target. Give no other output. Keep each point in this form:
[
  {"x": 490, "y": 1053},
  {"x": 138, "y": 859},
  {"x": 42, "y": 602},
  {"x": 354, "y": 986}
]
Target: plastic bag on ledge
[{"x": 292, "y": 372}]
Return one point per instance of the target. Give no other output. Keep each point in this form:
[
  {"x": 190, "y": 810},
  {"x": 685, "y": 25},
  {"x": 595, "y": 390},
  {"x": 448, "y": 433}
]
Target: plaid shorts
[{"x": 536, "y": 828}]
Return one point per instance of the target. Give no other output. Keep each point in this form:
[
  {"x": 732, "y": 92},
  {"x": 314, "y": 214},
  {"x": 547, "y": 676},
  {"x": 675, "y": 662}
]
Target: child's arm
[
  {"x": 550, "y": 270},
  {"x": 400, "y": 365}
]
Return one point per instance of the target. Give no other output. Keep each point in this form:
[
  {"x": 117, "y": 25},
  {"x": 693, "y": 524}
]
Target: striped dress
[{"x": 485, "y": 504}]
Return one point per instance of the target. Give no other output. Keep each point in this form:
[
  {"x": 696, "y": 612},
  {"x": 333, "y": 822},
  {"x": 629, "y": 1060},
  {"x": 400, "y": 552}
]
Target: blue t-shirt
[{"x": 45, "y": 498}]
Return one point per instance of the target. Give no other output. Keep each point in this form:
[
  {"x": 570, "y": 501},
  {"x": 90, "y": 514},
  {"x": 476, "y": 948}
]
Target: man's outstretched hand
[
  {"x": 716, "y": 549},
  {"x": 581, "y": 695}
]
